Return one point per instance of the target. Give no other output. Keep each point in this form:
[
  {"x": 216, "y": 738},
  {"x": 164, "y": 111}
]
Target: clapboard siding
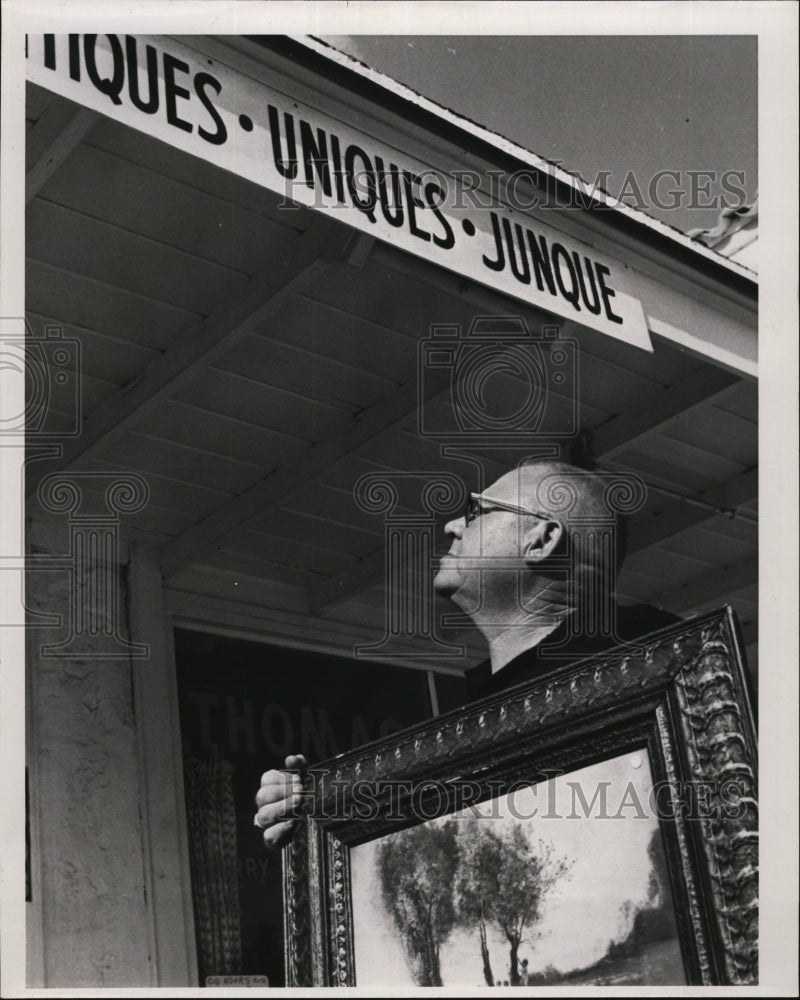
[
  {"x": 191, "y": 465},
  {"x": 342, "y": 336},
  {"x": 711, "y": 429},
  {"x": 104, "y": 186},
  {"x": 243, "y": 564},
  {"x": 710, "y": 547},
  {"x": 666, "y": 364},
  {"x": 37, "y": 99},
  {"x": 172, "y": 494},
  {"x": 741, "y": 399},
  {"x": 333, "y": 504},
  {"x": 667, "y": 569},
  {"x": 184, "y": 424},
  {"x": 283, "y": 551},
  {"x": 679, "y": 454},
  {"x": 347, "y": 540},
  {"x": 114, "y": 360},
  {"x": 306, "y": 373},
  {"x": 738, "y": 528},
  {"x": 647, "y": 459},
  {"x": 114, "y": 255},
  {"x": 388, "y": 299},
  {"x": 138, "y": 148},
  {"x": 234, "y": 585},
  {"x": 250, "y": 400},
  {"x": 97, "y": 305}
]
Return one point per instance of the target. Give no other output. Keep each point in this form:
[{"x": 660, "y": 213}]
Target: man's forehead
[{"x": 518, "y": 486}]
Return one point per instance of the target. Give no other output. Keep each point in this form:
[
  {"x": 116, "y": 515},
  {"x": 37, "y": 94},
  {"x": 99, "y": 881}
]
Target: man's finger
[
  {"x": 279, "y": 834},
  {"x": 277, "y": 785},
  {"x": 295, "y": 762},
  {"x": 273, "y": 812}
]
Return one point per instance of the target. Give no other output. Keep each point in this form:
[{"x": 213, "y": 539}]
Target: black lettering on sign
[
  {"x": 607, "y": 293},
  {"x": 500, "y": 262},
  {"x": 361, "y": 183},
  {"x": 541, "y": 263},
  {"x": 201, "y": 81},
  {"x": 204, "y": 703},
  {"x": 414, "y": 202},
  {"x": 240, "y": 723},
  {"x": 391, "y": 202},
  {"x": 315, "y": 157},
  {"x": 278, "y": 731},
  {"x": 287, "y": 167},
  {"x": 173, "y": 91},
  {"x": 571, "y": 294},
  {"x": 565, "y": 274},
  {"x": 50, "y": 51},
  {"x": 316, "y": 733},
  {"x": 434, "y": 195},
  {"x": 519, "y": 268},
  {"x": 150, "y": 106},
  {"x": 75, "y": 57},
  {"x": 338, "y": 172},
  {"x": 594, "y": 305},
  {"x": 107, "y": 66},
  {"x": 112, "y": 85}
]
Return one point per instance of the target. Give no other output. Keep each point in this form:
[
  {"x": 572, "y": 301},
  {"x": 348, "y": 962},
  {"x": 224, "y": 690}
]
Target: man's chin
[{"x": 446, "y": 582}]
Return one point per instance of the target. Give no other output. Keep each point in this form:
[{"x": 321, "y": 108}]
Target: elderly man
[{"x": 533, "y": 562}]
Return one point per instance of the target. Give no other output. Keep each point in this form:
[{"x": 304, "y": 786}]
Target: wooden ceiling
[{"x": 252, "y": 361}]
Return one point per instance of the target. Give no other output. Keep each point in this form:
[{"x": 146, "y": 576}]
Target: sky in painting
[
  {"x": 582, "y": 915},
  {"x": 621, "y": 110}
]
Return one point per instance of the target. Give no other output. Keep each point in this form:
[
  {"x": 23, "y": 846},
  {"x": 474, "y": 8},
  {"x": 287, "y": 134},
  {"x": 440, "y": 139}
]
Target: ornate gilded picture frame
[{"x": 595, "y": 826}]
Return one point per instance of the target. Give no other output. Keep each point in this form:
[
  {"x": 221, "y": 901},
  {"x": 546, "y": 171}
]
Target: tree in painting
[
  {"x": 654, "y": 921},
  {"x": 503, "y": 879},
  {"x": 417, "y": 868}
]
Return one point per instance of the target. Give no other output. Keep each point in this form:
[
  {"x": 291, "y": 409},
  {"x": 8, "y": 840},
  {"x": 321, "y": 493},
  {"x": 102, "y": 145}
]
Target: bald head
[
  {"x": 540, "y": 523},
  {"x": 576, "y": 498},
  {"x": 540, "y": 544},
  {"x": 557, "y": 488}
]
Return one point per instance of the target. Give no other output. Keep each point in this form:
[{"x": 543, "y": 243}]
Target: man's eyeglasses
[{"x": 479, "y": 503}]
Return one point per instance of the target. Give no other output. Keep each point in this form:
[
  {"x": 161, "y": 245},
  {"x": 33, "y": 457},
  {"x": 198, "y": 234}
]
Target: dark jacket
[{"x": 632, "y": 623}]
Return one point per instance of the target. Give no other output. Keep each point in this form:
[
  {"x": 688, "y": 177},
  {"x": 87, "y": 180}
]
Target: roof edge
[{"x": 341, "y": 68}]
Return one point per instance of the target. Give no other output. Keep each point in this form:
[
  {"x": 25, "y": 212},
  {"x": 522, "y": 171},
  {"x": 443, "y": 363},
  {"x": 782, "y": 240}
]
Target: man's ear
[{"x": 541, "y": 540}]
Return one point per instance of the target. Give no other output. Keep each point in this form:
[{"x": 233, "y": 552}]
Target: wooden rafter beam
[
  {"x": 629, "y": 428},
  {"x": 685, "y": 514},
  {"x": 354, "y": 579},
  {"x": 58, "y": 132},
  {"x": 750, "y": 634},
  {"x": 303, "y": 468},
  {"x": 264, "y": 294},
  {"x": 306, "y": 466},
  {"x": 714, "y": 587}
]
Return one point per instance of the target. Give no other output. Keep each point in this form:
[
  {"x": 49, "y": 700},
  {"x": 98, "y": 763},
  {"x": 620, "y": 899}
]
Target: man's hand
[{"x": 278, "y": 801}]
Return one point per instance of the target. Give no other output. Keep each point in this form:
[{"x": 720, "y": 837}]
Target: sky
[{"x": 623, "y": 108}]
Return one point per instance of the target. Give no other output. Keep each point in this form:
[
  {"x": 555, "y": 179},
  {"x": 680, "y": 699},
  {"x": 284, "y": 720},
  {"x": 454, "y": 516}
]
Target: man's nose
[{"x": 455, "y": 527}]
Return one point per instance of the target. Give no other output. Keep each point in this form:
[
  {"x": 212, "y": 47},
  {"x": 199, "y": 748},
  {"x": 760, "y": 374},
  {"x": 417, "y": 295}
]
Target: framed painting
[{"x": 595, "y": 826}]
